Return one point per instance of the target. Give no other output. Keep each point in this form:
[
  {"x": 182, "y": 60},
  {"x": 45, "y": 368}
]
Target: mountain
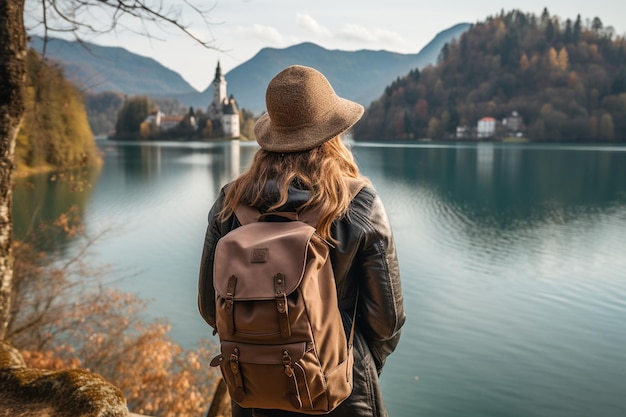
[
  {"x": 357, "y": 75},
  {"x": 101, "y": 68}
]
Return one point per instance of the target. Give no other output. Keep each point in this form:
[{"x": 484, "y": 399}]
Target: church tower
[
  {"x": 223, "y": 112},
  {"x": 219, "y": 87}
]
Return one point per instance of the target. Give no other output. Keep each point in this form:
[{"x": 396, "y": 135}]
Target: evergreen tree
[
  {"x": 131, "y": 115},
  {"x": 578, "y": 29}
]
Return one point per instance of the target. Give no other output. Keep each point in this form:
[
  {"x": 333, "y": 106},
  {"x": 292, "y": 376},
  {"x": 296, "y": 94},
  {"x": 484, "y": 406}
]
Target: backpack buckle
[
  {"x": 234, "y": 361},
  {"x": 281, "y": 305},
  {"x": 287, "y": 364},
  {"x": 229, "y": 305},
  {"x": 294, "y": 397},
  {"x": 239, "y": 393}
]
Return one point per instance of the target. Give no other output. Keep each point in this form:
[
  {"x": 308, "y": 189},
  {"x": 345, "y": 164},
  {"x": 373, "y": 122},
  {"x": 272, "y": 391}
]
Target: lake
[{"x": 512, "y": 259}]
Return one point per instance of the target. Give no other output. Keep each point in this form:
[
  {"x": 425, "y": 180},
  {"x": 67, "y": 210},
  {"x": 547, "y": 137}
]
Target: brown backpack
[{"x": 283, "y": 344}]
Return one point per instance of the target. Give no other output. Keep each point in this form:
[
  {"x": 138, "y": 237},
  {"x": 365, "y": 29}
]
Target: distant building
[
  {"x": 230, "y": 118},
  {"x": 154, "y": 118},
  {"x": 160, "y": 122},
  {"x": 486, "y": 127},
  {"x": 513, "y": 125},
  {"x": 170, "y": 122},
  {"x": 223, "y": 110},
  {"x": 463, "y": 132}
]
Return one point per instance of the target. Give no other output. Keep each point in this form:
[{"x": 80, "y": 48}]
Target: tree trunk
[{"x": 12, "y": 88}]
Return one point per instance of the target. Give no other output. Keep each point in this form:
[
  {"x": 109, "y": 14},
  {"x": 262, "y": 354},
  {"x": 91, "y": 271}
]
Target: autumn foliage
[
  {"x": 566, "y": 79},
  {"x": 64, "y": 315},
  {"x": 55, "y": 132}
]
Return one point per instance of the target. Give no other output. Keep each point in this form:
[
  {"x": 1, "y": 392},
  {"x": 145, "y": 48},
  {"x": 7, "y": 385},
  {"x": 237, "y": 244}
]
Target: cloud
[
  {"x": 261, "y": 32},
  {"x": 350, "y": 32},
  {"x": 308, "y": 23},
  {"x": 361, "y": 34}
]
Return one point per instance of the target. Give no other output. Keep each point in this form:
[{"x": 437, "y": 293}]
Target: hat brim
[{"x": 338, "y": 119}]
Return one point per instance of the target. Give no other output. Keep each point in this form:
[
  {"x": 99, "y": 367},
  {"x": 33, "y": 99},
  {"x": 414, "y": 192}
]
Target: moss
[
  {"x": 10, "y": 357},
  {"x": 30, "y": 392}
]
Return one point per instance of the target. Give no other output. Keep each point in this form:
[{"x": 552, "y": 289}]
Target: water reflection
[
  {"x": 141, "y": 164},
  {"x": 40, "y": 200},
  {"x": 505, "y": 182}
]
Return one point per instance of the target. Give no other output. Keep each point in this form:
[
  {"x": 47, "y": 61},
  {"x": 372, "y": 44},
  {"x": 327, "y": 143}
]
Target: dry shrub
[{"x": 63, "y": 316}]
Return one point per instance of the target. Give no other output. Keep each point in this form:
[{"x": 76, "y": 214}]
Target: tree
[
  {"x": 133, "y": 112},
  {"x": 434, "y": 128},
  {"x": 102, "y": 110},
  {"x": 596, "y": 24},
  {"x": 578, "y": 28},
  {"x": 563, "y": 59},
  {"x": 550, "y": 31},
  {"x": 61, "y": 16},
  {"x": 12, "y": 99},
  {"x": 545, "y": 17},
  {"x": 568, "y": 35},
  {"x": 553, "y": 58},
  {"x": 607, "y": 128},
  {"x": 523, "y": 63},
  {"x": 55, "y": 131}
]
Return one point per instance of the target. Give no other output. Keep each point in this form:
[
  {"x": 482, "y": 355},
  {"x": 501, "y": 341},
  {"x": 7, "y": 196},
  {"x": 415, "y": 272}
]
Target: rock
[{"x": 28, "y": 392}]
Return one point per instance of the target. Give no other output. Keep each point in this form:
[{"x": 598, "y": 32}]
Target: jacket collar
[{"x": 296, "y": 196}]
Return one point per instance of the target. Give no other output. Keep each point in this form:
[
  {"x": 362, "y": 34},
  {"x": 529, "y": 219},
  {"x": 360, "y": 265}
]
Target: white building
[
  {"x": 486, "y": 127},
  {"x": 222, "y": 109},
  {"x": 513, "y": 124},
  {"x": 159, "y": 121},
  {"x": 230, "y": 118}
]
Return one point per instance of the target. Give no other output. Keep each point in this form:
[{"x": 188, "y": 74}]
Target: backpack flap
[
  {"x": 255, "y": 253},
  {"x": 256, "y": 262}
]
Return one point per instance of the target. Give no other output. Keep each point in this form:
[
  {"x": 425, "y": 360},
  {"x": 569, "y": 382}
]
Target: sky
[{"x": 238, "y": 29}]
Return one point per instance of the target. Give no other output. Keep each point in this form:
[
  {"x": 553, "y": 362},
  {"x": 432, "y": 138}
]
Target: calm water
[{"x": 512, "y": 257}]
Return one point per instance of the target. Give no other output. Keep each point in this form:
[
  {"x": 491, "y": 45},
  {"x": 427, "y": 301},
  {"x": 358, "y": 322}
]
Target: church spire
[
  {"x": 219, "y": 87},
  {"x": 218, "y": 71}
]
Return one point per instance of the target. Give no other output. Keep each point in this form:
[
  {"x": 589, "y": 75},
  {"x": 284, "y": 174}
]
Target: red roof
[{"x": 171, "y": 118}]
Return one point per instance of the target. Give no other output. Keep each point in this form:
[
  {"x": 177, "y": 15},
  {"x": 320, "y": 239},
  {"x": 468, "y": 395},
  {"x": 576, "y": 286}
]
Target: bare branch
[{"x": 104, "y": 16}]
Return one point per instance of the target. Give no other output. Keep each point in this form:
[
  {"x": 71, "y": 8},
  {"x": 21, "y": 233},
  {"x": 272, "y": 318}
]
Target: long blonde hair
[{"x": 323, "y": 170}]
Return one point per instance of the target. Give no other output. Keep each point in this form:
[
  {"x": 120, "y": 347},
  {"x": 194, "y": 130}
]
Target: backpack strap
[{"x": 247, "y": 214}]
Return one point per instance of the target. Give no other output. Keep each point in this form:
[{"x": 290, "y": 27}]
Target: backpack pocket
[{"x": 287, "y": 377}]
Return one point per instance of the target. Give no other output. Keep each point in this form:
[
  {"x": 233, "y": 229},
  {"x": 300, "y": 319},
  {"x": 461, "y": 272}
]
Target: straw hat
[{"x": 303, "y": 111}]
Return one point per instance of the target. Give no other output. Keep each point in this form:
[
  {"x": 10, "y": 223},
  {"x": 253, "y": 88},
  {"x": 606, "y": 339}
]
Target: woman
[{"x": 303, "y": 163}]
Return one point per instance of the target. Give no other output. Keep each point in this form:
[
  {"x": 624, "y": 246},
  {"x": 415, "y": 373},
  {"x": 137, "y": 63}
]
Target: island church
[
  {"x": 223, "y": 109},
  {"x": 222, "y": 117}
]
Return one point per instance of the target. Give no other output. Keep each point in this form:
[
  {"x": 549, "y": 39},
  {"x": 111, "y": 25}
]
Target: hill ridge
[{"x": 360, "y": 75}]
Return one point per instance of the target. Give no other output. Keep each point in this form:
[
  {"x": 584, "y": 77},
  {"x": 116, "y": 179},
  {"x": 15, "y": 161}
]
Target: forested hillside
[
  {"x": 55, "y": 132},
  {"x": 566, "y": 79},
  {"x": 100, "y": 69}
]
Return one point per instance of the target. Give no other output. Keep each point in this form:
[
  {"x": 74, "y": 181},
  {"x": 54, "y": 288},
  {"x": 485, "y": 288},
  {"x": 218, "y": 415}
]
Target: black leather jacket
[{"x": 365, "y": 257}]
